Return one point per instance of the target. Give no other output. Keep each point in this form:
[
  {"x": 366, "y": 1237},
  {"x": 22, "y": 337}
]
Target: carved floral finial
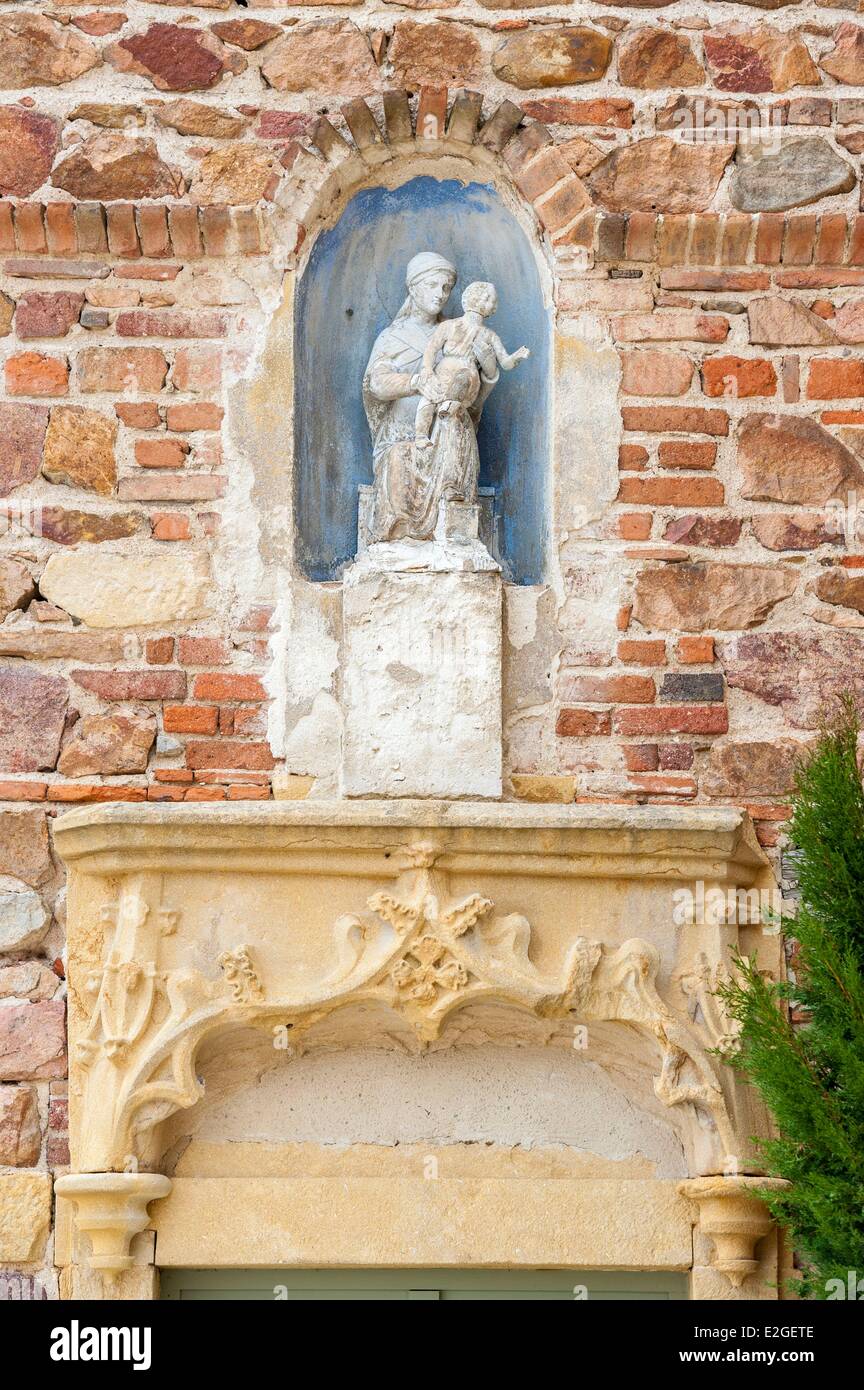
[{"x": 241, "y": 975}]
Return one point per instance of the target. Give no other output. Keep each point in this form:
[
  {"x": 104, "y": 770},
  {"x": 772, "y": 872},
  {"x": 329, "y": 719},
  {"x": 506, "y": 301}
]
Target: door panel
[{"x": 418, "y": 1285}]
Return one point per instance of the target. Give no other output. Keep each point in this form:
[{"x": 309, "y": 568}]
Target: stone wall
[{"x": 164, "y": 170}]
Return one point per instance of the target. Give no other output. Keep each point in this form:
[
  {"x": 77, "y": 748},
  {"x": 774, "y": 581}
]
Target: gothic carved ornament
[{"x": 415, "y": 951}]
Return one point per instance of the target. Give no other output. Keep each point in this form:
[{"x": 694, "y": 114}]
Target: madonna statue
[{"x": 410, "y": 482}]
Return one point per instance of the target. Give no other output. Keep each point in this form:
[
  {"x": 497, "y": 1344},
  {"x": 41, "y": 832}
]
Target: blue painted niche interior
[{"x": 351, "y": 289}]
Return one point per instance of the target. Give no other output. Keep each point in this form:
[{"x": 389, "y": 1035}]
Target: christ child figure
[{"x": 452, "y": 359}]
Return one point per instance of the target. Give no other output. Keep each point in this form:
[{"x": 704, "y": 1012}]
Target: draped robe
[{"x": 409, "y": 484}]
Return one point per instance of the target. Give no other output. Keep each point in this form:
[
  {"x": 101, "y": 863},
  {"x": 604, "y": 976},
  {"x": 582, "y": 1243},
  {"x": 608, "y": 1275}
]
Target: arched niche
[{"x": 352, "y": 287}]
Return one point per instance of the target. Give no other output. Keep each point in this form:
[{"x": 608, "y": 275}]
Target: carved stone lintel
[
  {"x": 111, "y": 1208},
  {"x": 735, "y": 1219}
]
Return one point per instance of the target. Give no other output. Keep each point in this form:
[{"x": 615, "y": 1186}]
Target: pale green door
[{"x": 418, "y": 1285}]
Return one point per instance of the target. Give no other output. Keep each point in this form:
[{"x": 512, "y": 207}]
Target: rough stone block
[{"x": 422, "y": 685}]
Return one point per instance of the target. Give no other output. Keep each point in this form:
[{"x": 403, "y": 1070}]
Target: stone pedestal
[{"x": 422, "y": 678}]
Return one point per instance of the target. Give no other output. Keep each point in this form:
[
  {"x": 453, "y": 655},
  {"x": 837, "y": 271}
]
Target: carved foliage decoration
[{"x": 417, "y": 950}]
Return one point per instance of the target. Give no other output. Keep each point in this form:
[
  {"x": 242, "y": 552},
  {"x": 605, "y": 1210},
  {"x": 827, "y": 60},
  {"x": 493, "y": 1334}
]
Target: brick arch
[{"x": 341, "y": 153}]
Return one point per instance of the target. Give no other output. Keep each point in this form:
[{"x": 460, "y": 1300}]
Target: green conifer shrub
[{"x": 811, "y": 1075}]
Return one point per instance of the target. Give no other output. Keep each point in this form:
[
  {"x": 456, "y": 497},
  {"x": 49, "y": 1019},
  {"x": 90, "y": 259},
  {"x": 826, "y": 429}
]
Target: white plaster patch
[
  {"x": 521, "y": 611},
  {"x": 529, "y": 1097},
  {"x": 587, "y": 425}
]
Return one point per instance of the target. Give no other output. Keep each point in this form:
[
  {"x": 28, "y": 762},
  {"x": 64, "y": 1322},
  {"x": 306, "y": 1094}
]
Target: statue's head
[
  {"x": 481, "y": 297},
  {"x": 430, "y": 279}
]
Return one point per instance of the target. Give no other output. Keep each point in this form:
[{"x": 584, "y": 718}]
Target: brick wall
[{"x": 155, "y": 168}]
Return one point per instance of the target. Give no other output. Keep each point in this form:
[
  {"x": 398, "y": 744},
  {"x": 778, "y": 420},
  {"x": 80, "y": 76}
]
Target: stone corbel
[
  {"x": 734, "y": 1217},
  {"x": 111, "y": 1208}
]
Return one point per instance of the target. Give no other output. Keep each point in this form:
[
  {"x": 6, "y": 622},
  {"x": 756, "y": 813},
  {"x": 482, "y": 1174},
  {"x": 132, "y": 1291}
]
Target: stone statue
[
  {"x": 461, "y": 344},
  {"x": 422, "y": 412}
]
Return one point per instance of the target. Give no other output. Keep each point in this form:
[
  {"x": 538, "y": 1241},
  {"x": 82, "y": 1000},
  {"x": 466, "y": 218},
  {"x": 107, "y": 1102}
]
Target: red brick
[
  {"x": 60, "y": 229},
  {"x": 842, "y": 417},
  {"x": 171, "y": 323},
  {"x": 122, "y": 233},
  {"x": 635, "y": 652},
  {"x": 639, "y": 237},
  {"x": 769, "y": 238},
  {"x": 672, "y": 719},
  {"x": 800, "y": 238},
  {"x": 695, "y": 528},
  {"x": 170, "y": 793},
  {"x": 170, "y": 526},
  {"x": 36, "y": 374},
  {"x": 171, "y": 487},
  {"x": 249, "y": 720},
  {"x": 203, "y": 651},
  {"x": 667, "y": 419},
  {"x": 640, "y": 757},
  {"x": 22, "y": 791},
  {"x": 257, "y": 619},
  {"x": 227, "y": 753},
  {"x": 735, "y": 239},
  {"x": 30, "y": 229},
  {"x": 133, "y": 685},
  {"x": 582, "y": 723},
  {"x": 692, "y": 651},
  {"x": 611, "y": 689},
  {"x": 47, "y": 314},
  {"x": 138, "y": 415},
  {"x": 220, "y": 685},
  {"x": 715, "y": 281},
  {"x": 790, "y": 378},
  {"x": 157, "y": 272},
  {"x": 831, "y": 242},
  {"x": 634, "y": 526},
  {"x": 735, "y": 377},
  {"x": 672, "y": 236},
  {"x": 122, "y": 369},
  {"x": 199, "y": 415},
  {"x": 185, "y": 232},
  {"x": 205, "y": 794},
  {"x": 676, "y": 757},
  {"x": 613, "y": 111},
  {"x": 190, "y": 719},
  {"x": 672, "y": 492},
  {"x": 161, "y": 453},
  {"x": 855, "y": 254},
  {"x": 833, "y": 378},
  {"x": 675, "y": 453},
  {"x": 655, "y": 373},
  {"x": 668, "y": 325},
  {"x": 239, "y": 792},
  {"x": 160, "y": 650},
  {"x": 816, "y": 279},
  {"x": 632, "y": 457},
  {"x": 216, "y": 230},
  {"x": 7, "y": 228},
  {"x": 197, "y": 369},
  {"x": 153, "y": 230},
  {"x": 658, "y": 783},
  {"x": 703, "y": 242},
  {"x": 78, "y": 791}
]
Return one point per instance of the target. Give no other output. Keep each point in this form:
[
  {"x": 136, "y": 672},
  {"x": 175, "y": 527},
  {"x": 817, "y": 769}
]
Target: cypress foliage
[{"x": 812, "y": 1076}]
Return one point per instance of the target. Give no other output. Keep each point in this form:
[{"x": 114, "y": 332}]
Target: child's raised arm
[{"x": 505, "y": 359}]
